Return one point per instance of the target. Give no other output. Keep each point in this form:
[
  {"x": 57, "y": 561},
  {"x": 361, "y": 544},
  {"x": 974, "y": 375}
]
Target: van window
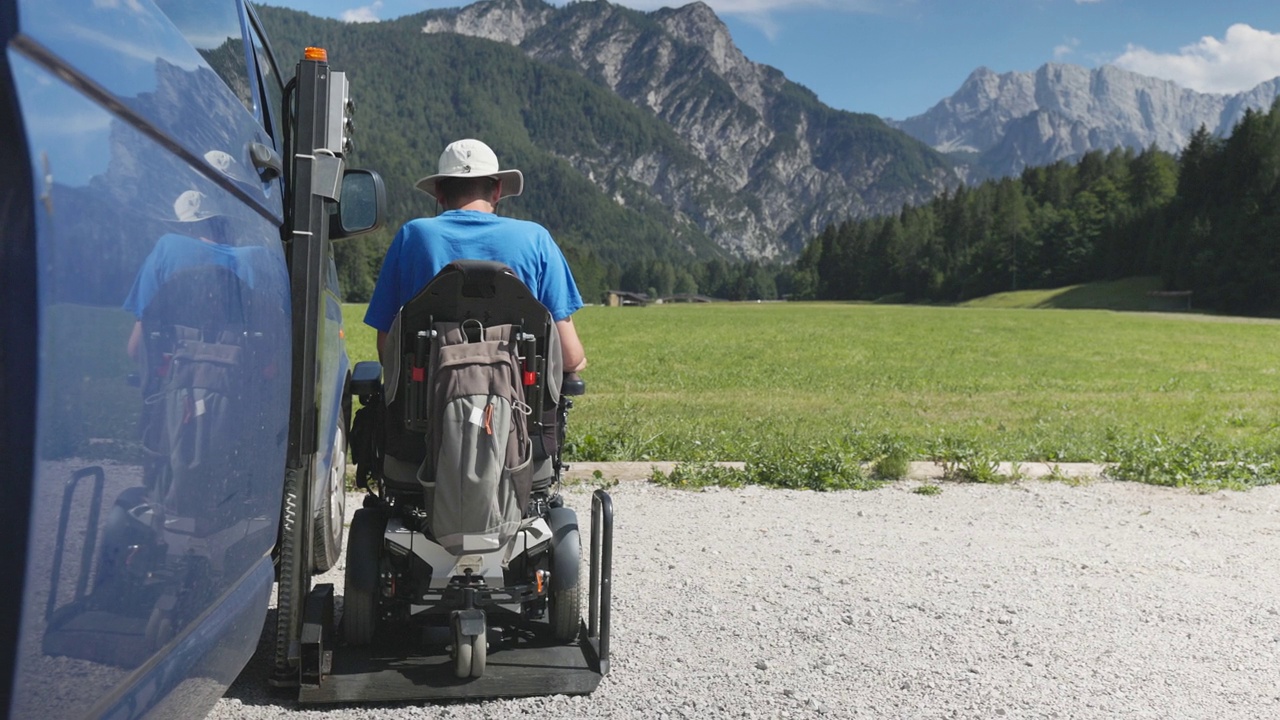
[
  {"x": 213, "y": 28},
  {"x": 272, "y": 85}
]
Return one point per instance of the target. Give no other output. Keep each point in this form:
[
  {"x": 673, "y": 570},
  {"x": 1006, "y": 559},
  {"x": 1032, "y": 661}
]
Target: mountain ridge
[{"x": 1012, "y": 120}]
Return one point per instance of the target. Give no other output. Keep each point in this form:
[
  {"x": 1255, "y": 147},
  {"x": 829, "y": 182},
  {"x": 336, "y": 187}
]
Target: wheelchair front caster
[{"x": 470, "y": 644}]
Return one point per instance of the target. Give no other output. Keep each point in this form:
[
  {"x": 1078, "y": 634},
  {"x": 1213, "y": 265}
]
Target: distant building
[
  {"x": 685, "y": 298},
  {"x": 1170, "y": 300},
  {"x": 621, "y": 298}
]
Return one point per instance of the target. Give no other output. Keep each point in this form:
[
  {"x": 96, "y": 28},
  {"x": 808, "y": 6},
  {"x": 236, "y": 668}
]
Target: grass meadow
[{"x": 785, "y": 382}]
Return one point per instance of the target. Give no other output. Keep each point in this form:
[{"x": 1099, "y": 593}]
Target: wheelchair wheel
[
  {"x": 479, "y": 654},
  {"x": 564, "y": 607},
  {"x": 470, "y": 653},
  {"x": 565, "y": 614},
  {"x": 462, "y": 658},
  {"x": 159, "y": 629},
  {"x": 462, "y": 648},
  {"x": 360, "y": 603}
]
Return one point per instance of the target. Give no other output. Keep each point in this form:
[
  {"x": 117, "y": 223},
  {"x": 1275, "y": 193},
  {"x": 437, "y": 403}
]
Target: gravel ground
[{"x": 1033, "y": 600}]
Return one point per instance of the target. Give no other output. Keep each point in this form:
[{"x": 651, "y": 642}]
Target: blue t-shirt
[
  {"x": 424, "y": 246},
  {"x": 175, "y": 253}
]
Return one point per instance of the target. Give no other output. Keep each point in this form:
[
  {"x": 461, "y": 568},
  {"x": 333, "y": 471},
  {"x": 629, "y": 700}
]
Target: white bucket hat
[
  {"x": 227, "y": 165},
  {"x": 193, "y": 206},
  {"x": 472, "y": 158}
]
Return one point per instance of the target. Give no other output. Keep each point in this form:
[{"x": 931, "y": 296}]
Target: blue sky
[{"x": 897, "y": 58}]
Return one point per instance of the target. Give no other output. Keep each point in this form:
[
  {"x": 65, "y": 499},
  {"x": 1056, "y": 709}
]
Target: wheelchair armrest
[
  {"x": 366, "y": 379},
  {"x": 573, "y": 385}
]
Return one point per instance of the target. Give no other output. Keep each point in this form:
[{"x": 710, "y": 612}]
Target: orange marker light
[
  {"x": 315, "y": 53},
  {"x": 539, "y": 575}
]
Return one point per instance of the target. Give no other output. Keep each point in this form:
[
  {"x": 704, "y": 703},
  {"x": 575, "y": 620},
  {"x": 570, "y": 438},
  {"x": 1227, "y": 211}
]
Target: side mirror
[
  {"x": 363, "y": 205},
  {"x": 366, "y": 379}
]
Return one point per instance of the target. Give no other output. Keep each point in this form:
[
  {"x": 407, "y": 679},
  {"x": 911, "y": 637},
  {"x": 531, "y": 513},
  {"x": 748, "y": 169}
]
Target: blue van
[{"x": 170, "y": 350}]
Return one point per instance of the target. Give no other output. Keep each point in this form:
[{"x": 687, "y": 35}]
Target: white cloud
[
  {"x": 133, "y": 5},
  {"x": 128, "y": 47},
  {"x": 1243, "y": 58},
  {"x": 1067, "y": 47},
  {"x": 366, "y": 14}
]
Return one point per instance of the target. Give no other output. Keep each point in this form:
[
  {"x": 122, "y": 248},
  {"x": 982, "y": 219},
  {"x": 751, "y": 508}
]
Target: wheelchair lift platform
[
  {"x": 390, "y": 671},
  {"x": 406, "y": 665}
]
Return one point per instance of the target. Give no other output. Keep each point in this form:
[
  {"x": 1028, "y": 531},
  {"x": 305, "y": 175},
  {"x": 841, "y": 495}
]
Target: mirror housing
[
  {"x": 362, "y": 207},
  {"x": 366, "y": 379}
]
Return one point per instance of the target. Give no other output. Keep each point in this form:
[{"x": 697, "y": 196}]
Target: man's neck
[{"x": 477, "y": 205}]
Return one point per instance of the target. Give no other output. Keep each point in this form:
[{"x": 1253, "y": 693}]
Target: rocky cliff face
[
  {"x": 506, "y": 21},
  {"x": 774, "y": 165},
  {"x": 1013, "y": 120}
]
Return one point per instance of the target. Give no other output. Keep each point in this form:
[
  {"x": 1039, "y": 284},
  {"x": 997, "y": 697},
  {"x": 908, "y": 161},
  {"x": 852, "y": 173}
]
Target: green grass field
[
  {"x": 90, "y": 400},
  {"x": 739, "y": 380},
  {"x": 1127, "y": 294}
]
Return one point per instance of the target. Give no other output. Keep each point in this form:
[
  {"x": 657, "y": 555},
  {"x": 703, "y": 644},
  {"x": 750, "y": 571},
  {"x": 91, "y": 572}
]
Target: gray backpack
[{"x": 478, "y": 469}]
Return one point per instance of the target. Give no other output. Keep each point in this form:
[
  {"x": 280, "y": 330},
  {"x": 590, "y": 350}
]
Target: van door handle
[{"x": 267, "y": 161}]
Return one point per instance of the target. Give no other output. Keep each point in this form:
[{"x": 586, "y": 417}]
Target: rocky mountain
[
  {"x": 1005, "y": 122},
  {"x": 774, "y": 166}
]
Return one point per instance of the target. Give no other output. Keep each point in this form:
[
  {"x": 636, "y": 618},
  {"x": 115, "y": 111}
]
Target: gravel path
[{"x": 1034, "y": 600}]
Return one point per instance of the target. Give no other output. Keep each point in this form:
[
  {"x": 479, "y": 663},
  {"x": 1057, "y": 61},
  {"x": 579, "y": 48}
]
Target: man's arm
[
  {"x": 134, "y": 346},
  {"x": 575, "y": 358},
  {"x": 385, "y": 301}
]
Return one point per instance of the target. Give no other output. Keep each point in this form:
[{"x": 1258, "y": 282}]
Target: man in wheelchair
[
  {"x": 459, "y": 444},
  {"x": 468, "y": 186}
]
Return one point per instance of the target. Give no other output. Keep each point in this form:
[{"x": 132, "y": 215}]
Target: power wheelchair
[{"x": 444, "y": 559}]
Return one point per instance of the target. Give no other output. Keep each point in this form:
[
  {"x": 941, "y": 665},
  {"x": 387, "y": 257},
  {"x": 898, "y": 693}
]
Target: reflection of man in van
[
  {"x": 193, "y": 304},
  {"x": 199, "y": 313},
  {"x": 202, "y": 248}
]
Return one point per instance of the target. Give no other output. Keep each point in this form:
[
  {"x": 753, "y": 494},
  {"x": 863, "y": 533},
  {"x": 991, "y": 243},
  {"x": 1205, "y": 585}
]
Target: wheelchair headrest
[{"x": 476, "y": 289}]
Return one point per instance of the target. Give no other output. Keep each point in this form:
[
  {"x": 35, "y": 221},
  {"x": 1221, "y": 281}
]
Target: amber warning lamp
[{"x": 315, "y": 53}]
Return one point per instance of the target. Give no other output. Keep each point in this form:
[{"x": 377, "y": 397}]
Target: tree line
[{"x": 1206, "y": 220}]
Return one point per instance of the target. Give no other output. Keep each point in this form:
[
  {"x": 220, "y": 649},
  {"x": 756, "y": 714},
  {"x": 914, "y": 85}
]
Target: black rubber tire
[
  {"x": 564, "y": 607},
  {"x": 326, "y": 532},
  {"x": 479, "y": 654},
  {"x": 360, "y": 603},
  {"x": 564, "y": 614}
]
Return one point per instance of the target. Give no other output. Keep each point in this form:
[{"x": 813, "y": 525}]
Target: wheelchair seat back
[{"x": 470, "y": 310}]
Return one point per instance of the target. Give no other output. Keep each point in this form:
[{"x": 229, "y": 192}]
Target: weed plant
[
  {"x": 815, "y": 468},
  {"x": 1201, "y": 464}
]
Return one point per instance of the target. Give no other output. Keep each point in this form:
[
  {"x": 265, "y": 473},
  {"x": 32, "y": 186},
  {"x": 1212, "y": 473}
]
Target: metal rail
[
  {"x": 90, "y": 538},
  {"x": 600, "y": 606}
]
